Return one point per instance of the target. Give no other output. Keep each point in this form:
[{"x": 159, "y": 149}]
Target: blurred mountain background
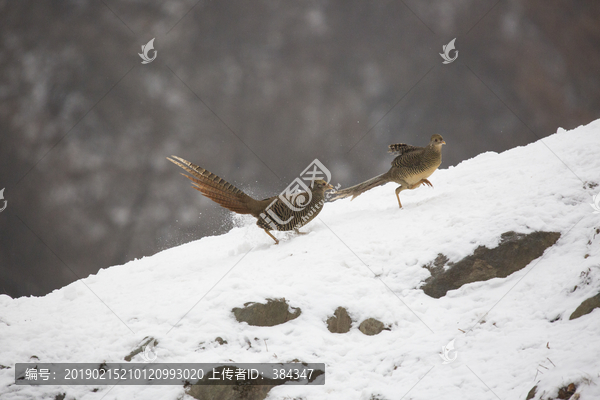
[{"x": 253, "y": 91}]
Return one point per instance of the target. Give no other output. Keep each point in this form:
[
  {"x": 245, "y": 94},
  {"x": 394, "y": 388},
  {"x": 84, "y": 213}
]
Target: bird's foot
[
  {"x": 399, "y": 204},
  {"x": 273, "y": 237},
  {"x": 426, "y": 182}
]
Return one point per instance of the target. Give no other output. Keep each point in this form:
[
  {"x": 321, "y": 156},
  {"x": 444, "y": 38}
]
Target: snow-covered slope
[{"x": 367, "y": 256}]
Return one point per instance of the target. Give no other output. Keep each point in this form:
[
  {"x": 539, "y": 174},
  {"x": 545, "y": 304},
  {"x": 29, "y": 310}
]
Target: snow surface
[{"x": 368, "y": 256}]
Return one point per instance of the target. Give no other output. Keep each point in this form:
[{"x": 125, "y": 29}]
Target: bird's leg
[
  {"x": 274, "y": 238},
  {"x": 398, "y": 190},
  {"x": 298, "y": 232}
]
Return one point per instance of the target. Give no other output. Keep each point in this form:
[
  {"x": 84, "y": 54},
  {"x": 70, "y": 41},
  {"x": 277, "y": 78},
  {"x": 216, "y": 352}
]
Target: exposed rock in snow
[
  {"x": 340, "y": 322},
  {"x": 514, "y": 253},
  {"x": 274, "y": 312}
]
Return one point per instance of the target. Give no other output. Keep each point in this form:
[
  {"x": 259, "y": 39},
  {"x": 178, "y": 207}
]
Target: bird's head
[
  {"x": 437, "y": 140},
  {"x": 320, "y": 184}
]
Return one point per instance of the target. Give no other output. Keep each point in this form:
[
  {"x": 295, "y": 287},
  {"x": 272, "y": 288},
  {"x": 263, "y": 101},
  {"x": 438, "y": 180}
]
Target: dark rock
[
  {"x": 439, "y": 261},
  {"x": 60, "y": 396},
  {"x": 250, "y": 389},
  {"x": 515, "y": 252},
  {"x": 340, "y": 322},
  {"x": 371, "y": 326},
  {"x": 590, "y": 185},
  {"x": 565, "y": 393},
  {"x": 275, "y": 312},
  {"x": 586, "y": 307},
  {"x": 141, "y": 347},
  {"x": 220, "y": 340},
  {"x": 531, "y": 393},
  {"x": 220, "y": 392}
]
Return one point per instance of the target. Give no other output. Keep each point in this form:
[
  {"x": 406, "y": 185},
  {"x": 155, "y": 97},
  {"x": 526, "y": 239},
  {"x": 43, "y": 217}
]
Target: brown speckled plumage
[{"x": 272, "y": 213}]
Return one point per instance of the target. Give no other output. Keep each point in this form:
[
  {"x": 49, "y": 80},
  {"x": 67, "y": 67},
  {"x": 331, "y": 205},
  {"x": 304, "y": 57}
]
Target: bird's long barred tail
[
  {"x": 215, "y": 188},
  {"x": 357, "y": 190}
]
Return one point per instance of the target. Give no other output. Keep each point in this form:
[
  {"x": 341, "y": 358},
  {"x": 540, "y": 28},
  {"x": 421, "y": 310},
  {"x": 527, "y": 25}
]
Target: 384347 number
[{"x": 293, "y": 374}]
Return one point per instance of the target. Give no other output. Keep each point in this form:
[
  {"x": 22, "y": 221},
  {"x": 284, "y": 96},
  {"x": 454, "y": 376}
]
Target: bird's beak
[
  {"x": 443, "y": 142},
  {"x": 330, "y": 187}
]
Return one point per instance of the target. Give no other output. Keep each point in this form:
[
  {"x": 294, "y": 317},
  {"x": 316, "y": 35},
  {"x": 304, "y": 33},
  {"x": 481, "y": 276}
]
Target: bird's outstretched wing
[
  {"x": 402, "y": 148},
  {"x": 408, "y": 156}
]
